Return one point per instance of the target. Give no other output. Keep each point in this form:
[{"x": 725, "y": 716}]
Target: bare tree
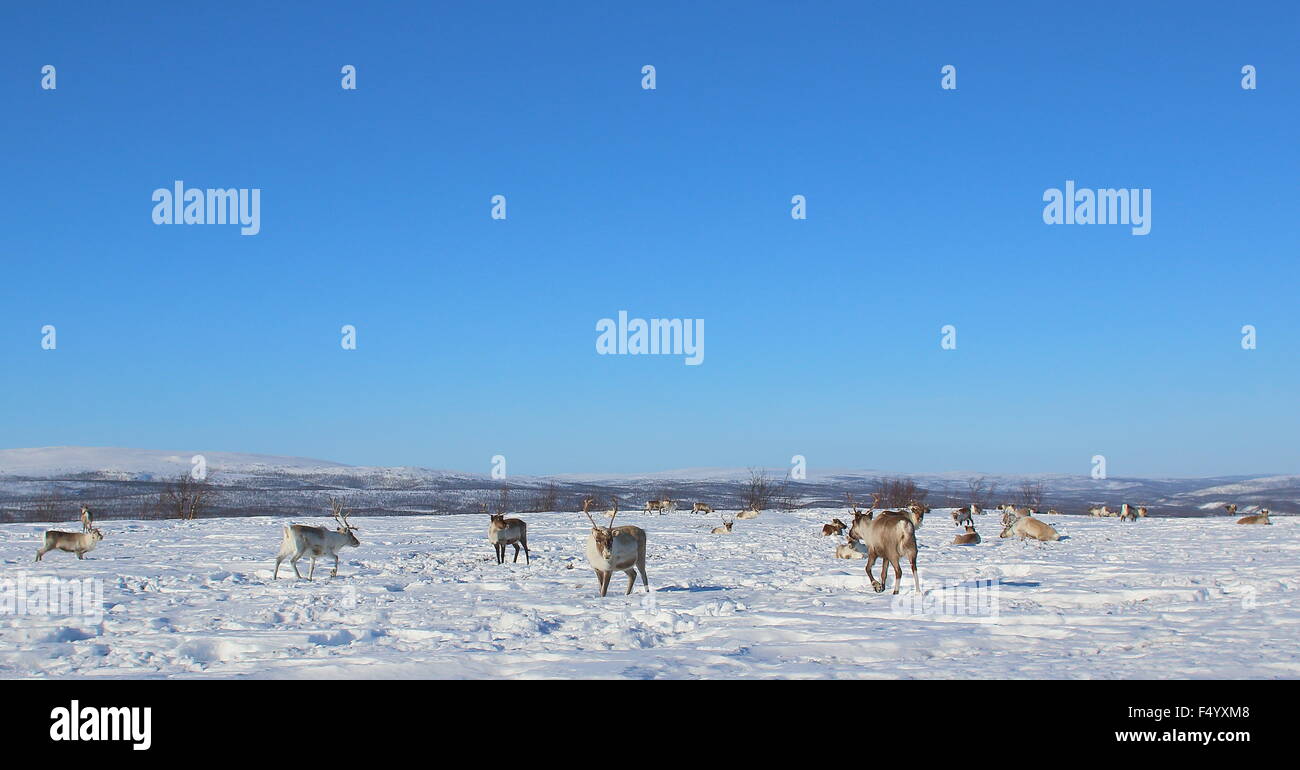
[
  {"x": 896, "y": 493},
  {"x": 546, "y": 499},
  {"x": 186, "y": 497},
  {"x": 981, "y": 492},
  {"x": 1031, "y": 494},
  {"x": 761, "y": 490}
]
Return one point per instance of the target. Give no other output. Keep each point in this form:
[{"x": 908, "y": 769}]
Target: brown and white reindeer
[
  {"x": 701, "y": 508},
  {"x": 891, "y": 536},
  {"x": 503, "y": 532},
  {"x": 1258, "y": 518},
  {"x": 962, "y": 516},
  {"x": 87, "y": 519},
  {"x": 851, "y": 549},
  {"x": 610, "y": 549},
  {"x": 301, "y": 540},
  {"x": 1231, "y": 508},
  {"x": 1142, "y": 511},
  {"x": 79, "y": 543},
  {"x": 1028, "y": 527},
  {"x": 969, "y": 537},
  {"x": 749, "y": 514},
  {"x": 836, "y": 527},
  {"x": 660, "y": 506},
  {"x": 725, "y": 529}
]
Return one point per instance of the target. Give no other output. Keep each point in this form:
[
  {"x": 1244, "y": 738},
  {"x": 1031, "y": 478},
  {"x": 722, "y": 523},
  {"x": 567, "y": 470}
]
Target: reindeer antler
[
  {"x": 612, "y": 514},
  {"x": 340, "y": 513},
  {"x": 586, "y": 505},
  {"x": 852, "y": 505}
]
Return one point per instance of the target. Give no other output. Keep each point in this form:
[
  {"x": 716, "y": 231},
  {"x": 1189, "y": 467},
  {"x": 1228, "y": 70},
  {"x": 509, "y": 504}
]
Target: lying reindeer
[
  {"x": 971, "y": 537},
  {"x": 750, "y": 514},
  {"x": 610, "y": 549},
  {"x": 503, "y": 532},
  {"x": 851, "y": 550},
  {"x": 1028, "y": 527},
  {"x": 300, "y": 540},
  {"x": 79, "y": 543},
  {"x": 836, "y": 527},
  {"x": 1259, "y": 518},
  {"x": 725, "y": 529}
]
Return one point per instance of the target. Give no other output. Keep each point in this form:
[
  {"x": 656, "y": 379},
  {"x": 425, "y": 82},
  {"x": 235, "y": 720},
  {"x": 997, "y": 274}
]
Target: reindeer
[
  {"x": 970, "y": 537},
  {"x": 660, "y": 506},
  {"x": 1259, "y": 518},
  {"x": 858, "y": 530},
  {"x": 916, "y": 507},
  {"x": 610, "y": 549},
  {"x": 87, "y": 519},
  {"x": 750, "y": 514},
  {"x": 1231, "y": 508},
  {"x": 1029, "y": 527},
  {"x": 79, "y": 543},
  {"x": 836, "y": 527},
  {"x": 701, "y": 508},
  {"x": 301, "y": 540},
  {"x": 963, "y": 516},
  {"x": 725, "y": 529},
  {"x": 1127, "y": 513},
  {"x": 1103, "y": 510},
  {"x": 1142, "y": 511},
  {"x": 851, "y": 549},
  {"x": 503, "y": 532},
  {"x": 891, "y": 536}
]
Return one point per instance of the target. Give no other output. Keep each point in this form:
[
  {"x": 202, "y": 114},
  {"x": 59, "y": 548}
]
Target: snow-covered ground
[{"x": 423, "y": 597}]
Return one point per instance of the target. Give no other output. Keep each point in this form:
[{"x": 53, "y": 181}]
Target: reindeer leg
[
  {"x": 40, "y": 552},
  {"x": 528, "y": 558},
  {"x": 884, "y": 575},
  {"x": 898, "y": 576},
  {"x": 916, "y": 581},
  {"x": 516, "y": 561},
  {"x": 276, "y": 575},
  {"x": 312, "y": 571},
  {"x": 335, "y": 572},
  {"x": 871, "y": 562},
  {"x": 604, "y": 581},
  {"x": 631, "y": 580},
  {"x": 640, "y": 565},
  {"x": 294, "y": 561}
]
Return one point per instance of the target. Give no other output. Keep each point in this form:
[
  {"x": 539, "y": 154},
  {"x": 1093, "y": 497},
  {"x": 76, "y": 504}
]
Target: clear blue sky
[{"x": 477, "y": 337}]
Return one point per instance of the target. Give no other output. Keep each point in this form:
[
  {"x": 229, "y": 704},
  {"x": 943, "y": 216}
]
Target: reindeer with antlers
[
  {"x": 611, "y": 549},
  {"x": 725, "y": 529},
  {"x": 503, "y": 532},
  {"x": 300, "y": 540},
  {"x": 861, "y": 521}
]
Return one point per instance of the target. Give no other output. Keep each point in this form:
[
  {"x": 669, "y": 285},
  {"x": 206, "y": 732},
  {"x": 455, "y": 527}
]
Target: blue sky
[{"x": 477, "y": 337}]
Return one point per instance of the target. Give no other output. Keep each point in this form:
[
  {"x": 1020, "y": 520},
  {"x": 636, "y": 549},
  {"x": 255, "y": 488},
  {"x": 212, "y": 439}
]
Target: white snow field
[{"x": 423, "y": 598}]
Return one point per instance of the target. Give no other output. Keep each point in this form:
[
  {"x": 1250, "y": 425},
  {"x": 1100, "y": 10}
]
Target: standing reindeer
[
  {"x": 861, "y": 521},
  {"x": 962, "y": 516},
  {"x": 300, "y": 540},
  {"x": 725, "y": 529},
  {"x": 610, "y": 549},
  {"x": 87, "y": 520},
  {"x": 79, "y": 543},
  {"x": 891, "y": 536},
  {"x": 503, "y": 532},
  {"x": 701, "y": 508}
]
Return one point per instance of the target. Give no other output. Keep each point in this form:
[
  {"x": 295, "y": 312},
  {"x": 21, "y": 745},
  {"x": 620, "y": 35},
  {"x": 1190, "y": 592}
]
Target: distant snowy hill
[{"x": 123, "y": 482}]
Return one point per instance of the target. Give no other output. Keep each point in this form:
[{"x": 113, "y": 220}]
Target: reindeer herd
[{"x": 887, "y": 535}]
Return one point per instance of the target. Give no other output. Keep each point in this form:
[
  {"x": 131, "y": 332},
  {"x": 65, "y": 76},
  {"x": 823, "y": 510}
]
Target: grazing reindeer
[
  {"x": 87, "y": 519},
  {"x": 851, "y": 550},
  {"x": 971, "y": 537},
  {"x": 962, "y": 516},
  {"x": 79, "y": 543},
  {"x": 1259, "y": 518},
  {"x": 701, "y": 508},
  {"x": 750, "y": 514},
  {"x": 836, "y": 527},
  {"x": 1029, "y": 527},
  {"x": 503, "y": 532},
  {"x": 610, "y": 549},
  {"x": 891, "y": 536},
  {"x": 660, "y": 506},
  {"x": 300, "y": 540},
  {"x": 858, "y": 530}
]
